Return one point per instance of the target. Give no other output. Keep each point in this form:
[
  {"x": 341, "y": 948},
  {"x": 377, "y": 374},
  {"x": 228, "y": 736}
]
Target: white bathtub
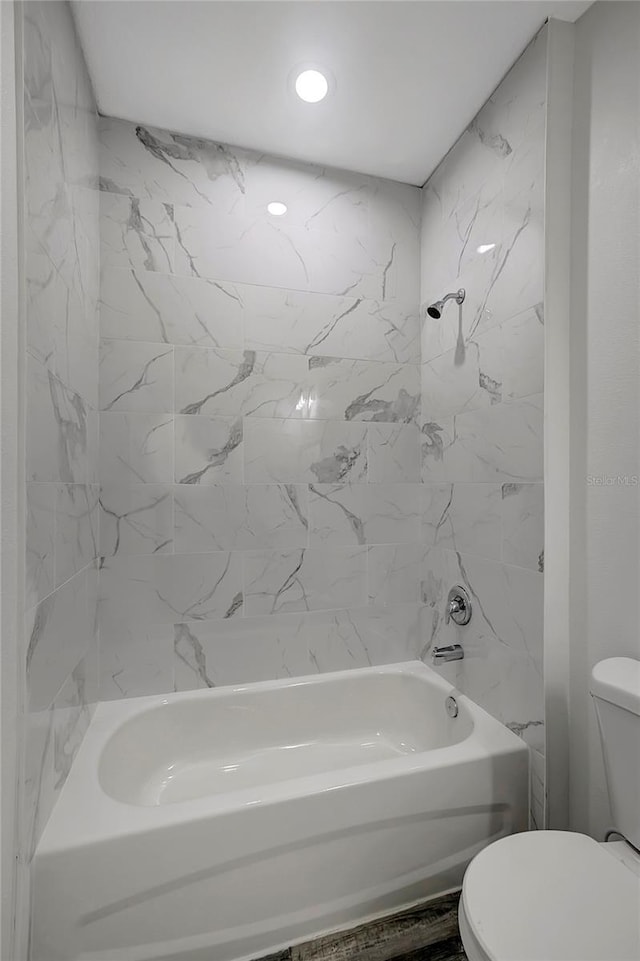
[{"x": 224, "y": 824}]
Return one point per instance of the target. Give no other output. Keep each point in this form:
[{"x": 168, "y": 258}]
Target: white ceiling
[{"x": 409, "y": 76}]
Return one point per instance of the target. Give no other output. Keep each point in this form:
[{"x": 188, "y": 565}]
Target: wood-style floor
[{"x": 428, "y": 932}]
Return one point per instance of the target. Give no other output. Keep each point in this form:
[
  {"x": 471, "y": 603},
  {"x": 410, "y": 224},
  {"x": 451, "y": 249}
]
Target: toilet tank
[{"x": 615, "y": 687}]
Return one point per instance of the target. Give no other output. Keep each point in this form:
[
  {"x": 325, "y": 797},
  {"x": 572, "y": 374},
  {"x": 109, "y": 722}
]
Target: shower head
[{"x": 435, "y": 310}]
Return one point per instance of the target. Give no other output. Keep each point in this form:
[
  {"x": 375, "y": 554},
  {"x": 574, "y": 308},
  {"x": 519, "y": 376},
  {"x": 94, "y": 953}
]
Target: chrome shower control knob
[{"x": 458, "y": 606}]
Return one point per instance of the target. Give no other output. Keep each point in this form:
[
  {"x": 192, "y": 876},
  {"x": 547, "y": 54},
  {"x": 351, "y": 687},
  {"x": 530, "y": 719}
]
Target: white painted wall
[{"x": 605, "y": 377}]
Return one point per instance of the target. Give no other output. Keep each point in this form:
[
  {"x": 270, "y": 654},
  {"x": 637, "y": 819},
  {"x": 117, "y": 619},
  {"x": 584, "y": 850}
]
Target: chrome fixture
[
  {"x": 451, "y": 706},
  {"x": 453, "y": 652},
  {"x": 458, "y": 606},
  {"x": 435, "y": 310}
]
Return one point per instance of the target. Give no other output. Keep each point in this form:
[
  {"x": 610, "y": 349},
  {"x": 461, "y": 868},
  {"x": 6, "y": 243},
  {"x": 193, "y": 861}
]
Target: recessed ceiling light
[
  {"x": 485, "y": 248},
  {"x": 276, "y": 208},
  {"x": 311, "y": 86}
]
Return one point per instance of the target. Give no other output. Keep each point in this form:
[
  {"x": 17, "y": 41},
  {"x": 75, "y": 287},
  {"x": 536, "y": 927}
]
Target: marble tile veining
[
  {"x": 136, "y": 377},
  {"x": 304, "y": 580},
  {"x": 208, "y": 450},
  {"x": 240, "y": 517},
  {"x": 481, "y": 424},
  {"x": 136, "y": 448},
  {"x": 393, "y": 453},
  {"x": 251, "y": 369},
  {"x": 364, "y": 514},
  {"x": 229, "y": 383},
  {"x": 332, "y": 325},
  {"x": 161, "y": 308},
  {"x": 136, "y": 233},
  {"x": 304, "y": 451},
  {"x": 59, "y": 211},
  {"x": 136, "y": 519}
]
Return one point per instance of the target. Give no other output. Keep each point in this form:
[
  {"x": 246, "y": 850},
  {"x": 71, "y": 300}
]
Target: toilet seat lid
[{"x": 552, "y": 896}]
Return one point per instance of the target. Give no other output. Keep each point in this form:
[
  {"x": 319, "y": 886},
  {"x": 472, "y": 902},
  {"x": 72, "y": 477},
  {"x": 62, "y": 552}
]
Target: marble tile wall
[
  {"x": 61, "y": 270},
  {"x": 259, "y": 392},
  {"x": 482, "y": 379}
]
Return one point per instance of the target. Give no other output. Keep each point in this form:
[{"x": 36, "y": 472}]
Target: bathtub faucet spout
[{"x": 453, "y": 652}]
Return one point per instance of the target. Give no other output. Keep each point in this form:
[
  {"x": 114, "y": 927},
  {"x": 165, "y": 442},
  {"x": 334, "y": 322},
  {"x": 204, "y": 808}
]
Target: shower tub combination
[{"x": 225, "y": 824}]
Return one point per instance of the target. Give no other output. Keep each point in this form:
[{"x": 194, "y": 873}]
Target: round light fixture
[
  {"x": 311, "y": 86},
  {"x": 276, "y": 208}
]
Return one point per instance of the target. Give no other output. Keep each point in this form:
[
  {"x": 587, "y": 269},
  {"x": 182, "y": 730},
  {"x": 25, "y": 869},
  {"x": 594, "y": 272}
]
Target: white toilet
[{"x": 561, "y": 896}]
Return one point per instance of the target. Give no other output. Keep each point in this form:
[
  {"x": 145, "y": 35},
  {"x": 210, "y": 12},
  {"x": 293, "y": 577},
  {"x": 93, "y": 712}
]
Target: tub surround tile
[
  {"x": 136, "y": 448},
  {"x": 72, "y": 712},
  {"x": 136, "y": 520},
  {"x": 523, "y": 353},
  {"x": 76, "y": 536},
  {"x": 60, "y": 213},
  {"x": 56, "y": 429},
  {"x": 482, "y": 219},
  {"x": 296, "y": 350},
  {"x": 523, "y": 525},
  {"x": 40, "y": 541},
  {"x": 393, "y": 453},
  {"x": 374, "y": 248},
  {"x": 287, "y": 645},
  {"x": 306, "y": 322},
  {"x": 208, "y": 450},
  {"x": 395, "y": 573},
  {"x": 358, "y": 390},
  {"x": 482, "y": 382},
  {"x": 503, "y": 362},
  {"x": 136, "y": 233},
  {"x": 142, "y": 161},
  {"x": 295, "y": 451},
  {"x": 246, "y": 250},
  {"x": 304, "y": 580},
  {"x": 537, "y": 810},
  {"x": 136, "y": 377},
  {"x": 363, "y": 514},
  {"x": 317, "y": 197},
  {"x": 241, "y": 517},
  {"x": 502, "y": 668},
  {"x": 225, "y": 383},
  {"x": 58, "y": 632},
  {"x": 494, "y": 250},
  {"x": 437, "y": 500},
  {"x": 60, "y": 334},
  {"x": 164, "y": 588},
  {"x": 465, "y": 378},
  {"x": 237, "y": 652},
  {"x": 362, "y": 637},
  {"x": 464, "y": 517},
  {"x": 508, "y": 601},
  {"x": 501, "y": 443},
  {"x": 161, "y": 308},
  {"x": 134, "y": 661},
  {"x": 38, "y": 790}
]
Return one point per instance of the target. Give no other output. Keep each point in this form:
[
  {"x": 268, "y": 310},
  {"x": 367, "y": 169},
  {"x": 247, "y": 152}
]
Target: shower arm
[{"x": 458, "y": 296}]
